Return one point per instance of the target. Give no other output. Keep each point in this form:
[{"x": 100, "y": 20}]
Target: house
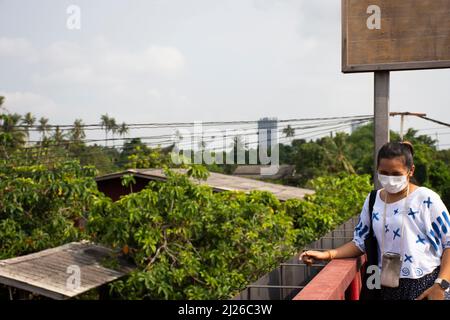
[{"x": 111, "y": 184}]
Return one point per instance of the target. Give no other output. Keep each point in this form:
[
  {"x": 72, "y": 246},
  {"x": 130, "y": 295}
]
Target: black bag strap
[
  {"x": 372, "y": 199},
  {"x": 371, "y": 241},
  {"x": 372, "y": 254}
]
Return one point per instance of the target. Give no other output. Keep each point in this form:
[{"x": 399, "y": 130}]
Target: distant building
[{"x": 270, "y": 127}]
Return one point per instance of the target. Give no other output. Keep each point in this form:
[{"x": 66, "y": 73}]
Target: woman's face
[{"x": 394, "y": 167}]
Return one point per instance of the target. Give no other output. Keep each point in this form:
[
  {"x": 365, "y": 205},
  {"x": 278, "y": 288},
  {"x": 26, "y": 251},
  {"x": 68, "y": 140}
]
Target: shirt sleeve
[
  {"x": 439, "y": 231},
  {"x": 362, "y": 229}
]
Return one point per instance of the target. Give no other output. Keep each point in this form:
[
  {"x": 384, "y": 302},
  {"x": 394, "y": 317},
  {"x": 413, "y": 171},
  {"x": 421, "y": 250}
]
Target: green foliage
[
  {"x": 336, "y": 200},
  {"x": 191, "y": 243},
  {"x": 360, "y": 149},
  {"x": 128, "y": 180},
  {"x": 325, "y": 156},
  {"x": 354, "y": 153},
  {"x": 39, "y": 205},
  {"x": 11, "y": 137},
  {"x": 144, "y": 157},
  {"x": 104, "y": 159},
  {"x": 187, "y": 241},
  {"x": 198, "y": 172}
]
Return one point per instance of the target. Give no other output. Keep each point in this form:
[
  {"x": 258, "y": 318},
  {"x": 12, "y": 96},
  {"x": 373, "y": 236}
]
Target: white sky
[{"x": 194, "y": 60}]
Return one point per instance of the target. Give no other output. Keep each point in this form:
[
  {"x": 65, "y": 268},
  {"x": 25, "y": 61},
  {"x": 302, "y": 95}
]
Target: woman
[{"x": 411, "y": 224}]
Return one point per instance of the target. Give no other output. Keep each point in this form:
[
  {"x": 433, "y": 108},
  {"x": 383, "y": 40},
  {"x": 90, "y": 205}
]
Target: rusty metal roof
[
  {"x": 221, "y": 182},
  {"x": 48, "y": 272}
]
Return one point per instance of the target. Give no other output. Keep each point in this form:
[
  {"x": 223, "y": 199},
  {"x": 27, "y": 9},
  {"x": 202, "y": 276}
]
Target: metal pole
[
  {"x": 402, "y": 123},
  {"x": 381, "y": 116}
]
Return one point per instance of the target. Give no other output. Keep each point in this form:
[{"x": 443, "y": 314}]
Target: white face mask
[{"x": 393, "y": 184}]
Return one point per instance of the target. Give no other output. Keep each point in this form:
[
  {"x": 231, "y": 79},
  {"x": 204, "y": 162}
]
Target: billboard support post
[{"x": 381, "y": 116}]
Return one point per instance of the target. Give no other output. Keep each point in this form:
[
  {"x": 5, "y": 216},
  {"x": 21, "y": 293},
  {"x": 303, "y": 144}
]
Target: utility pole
[
  {"x": 381, "y": 116},
  {"x": 402, "y": 119}
]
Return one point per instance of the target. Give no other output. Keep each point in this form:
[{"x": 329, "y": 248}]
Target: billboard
[{"x": 394, "y": 35}]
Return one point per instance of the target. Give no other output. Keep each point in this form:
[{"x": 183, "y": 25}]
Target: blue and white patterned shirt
[{"x": 426, "y": 230}]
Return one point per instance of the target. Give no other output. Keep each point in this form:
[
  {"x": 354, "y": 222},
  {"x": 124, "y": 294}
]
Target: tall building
[{"x": 269, "y": 126}]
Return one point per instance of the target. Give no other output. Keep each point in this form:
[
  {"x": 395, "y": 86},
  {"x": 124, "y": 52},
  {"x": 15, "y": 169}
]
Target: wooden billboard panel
[{"x": 395, "y": 35}]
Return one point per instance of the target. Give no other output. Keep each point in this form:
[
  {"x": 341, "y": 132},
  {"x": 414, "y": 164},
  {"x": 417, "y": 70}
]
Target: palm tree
[
  {"x": 113, "y": 127},
  {"x": 123, "y": 129},
  {"x": 289, "y": 132},
  {"x": 28, "y": 120},
  {"x": 43, "y": 128},
  {"x": 77, "y": 133},
  {"x": 105, "y": 126},
  {"x": 58, "y": 136},
  {"x": 336, "y": 150},
  {"x": 11, "y": 135}
]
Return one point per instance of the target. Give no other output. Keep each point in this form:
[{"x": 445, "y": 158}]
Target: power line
[
  {"x": 436, "y": 121},
  {"x": 170, "y": 138},
  {"x": 44, "y": 149},
  {"x": 432, "y": 129},
  {"x": 187, "y": 124}
]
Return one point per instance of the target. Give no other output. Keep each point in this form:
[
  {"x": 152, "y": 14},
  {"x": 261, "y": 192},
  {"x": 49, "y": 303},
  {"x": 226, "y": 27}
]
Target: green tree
[
  {"x": 43, "y": 128},
  {"x": 77, "y": 133},
  {"x": 336, "y": 199},
  {"x": 360, "y": 149},
  {"x": 39, "y": 205},
  {"x": 123, "y": 129},
  {"x": 191, "y": 243},
  {"x": 104, "y": 159},
  {"x": 105, "y": 124},
  {"x": 28, "y": 120},
  {"x": 143, "y": 158},
  {"x": 289, "y": 132},
  {"x": 58, "y": 136},
  {"x": 336, "y": 151},
  {"x": 113, "y": 127},
  {"x": 11, "y": 135}
]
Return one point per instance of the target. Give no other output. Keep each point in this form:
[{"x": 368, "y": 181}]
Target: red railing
[{"x": 338, "y": 280}]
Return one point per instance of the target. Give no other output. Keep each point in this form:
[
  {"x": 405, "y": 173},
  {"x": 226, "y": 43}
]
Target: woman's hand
[
  {"x": 309, "y": 257},
  {"x": 433, "y": 293}
]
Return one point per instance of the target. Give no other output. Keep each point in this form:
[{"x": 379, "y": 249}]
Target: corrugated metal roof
[
  {"x": 221, "y": 182},
  {"x": 284, "y": 171},
  {"x": 47, "y": 272}
]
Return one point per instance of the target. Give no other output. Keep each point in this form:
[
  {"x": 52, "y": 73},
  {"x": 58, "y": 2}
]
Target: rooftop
[
  {"x": 46, "y": 272},
  {"x": 220, "y": 182},
  {"x": 284, "y": 171}
]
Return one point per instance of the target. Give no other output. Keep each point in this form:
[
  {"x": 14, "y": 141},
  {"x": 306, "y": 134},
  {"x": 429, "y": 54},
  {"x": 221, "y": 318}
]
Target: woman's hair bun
[{"x": 409, "y": 145}]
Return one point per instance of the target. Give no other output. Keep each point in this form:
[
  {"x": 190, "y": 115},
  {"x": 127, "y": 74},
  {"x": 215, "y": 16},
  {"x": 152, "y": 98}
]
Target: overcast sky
[{"x": 194, "y": 60}]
